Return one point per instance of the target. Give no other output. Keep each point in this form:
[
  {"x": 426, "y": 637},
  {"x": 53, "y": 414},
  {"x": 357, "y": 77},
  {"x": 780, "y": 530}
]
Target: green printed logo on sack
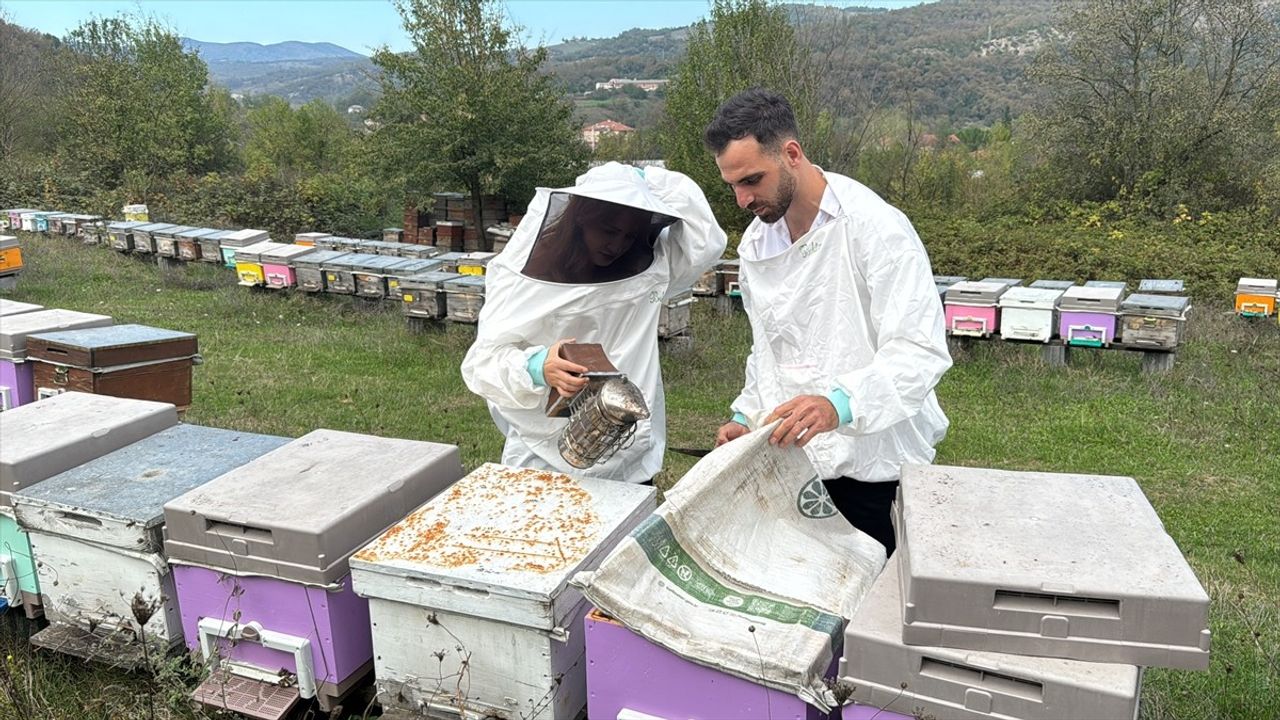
[
  {"x": 665, "y": 554},
  {"x": 814, "y": 501}
]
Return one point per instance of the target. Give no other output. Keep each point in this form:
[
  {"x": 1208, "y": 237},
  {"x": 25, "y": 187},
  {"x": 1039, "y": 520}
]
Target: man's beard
[{"x": 773, "y": 211}]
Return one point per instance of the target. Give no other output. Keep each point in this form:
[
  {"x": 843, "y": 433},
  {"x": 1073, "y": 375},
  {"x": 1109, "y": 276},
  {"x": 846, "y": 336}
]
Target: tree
[
  {"x": 1160, "y": 101},
  {"x": 468, "y": 108},
  {"x": 138, "y": 106},
  {"x": 310, "y": 139},
  {"x": 26, "y": 75},
  {"x": 745, "y": 43}
]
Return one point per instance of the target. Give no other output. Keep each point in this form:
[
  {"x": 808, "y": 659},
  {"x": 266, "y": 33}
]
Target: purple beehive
[
  {"x": 260, "y": 558},
  {"x": 1087, "y": 315},
  {"x": 627, "y": 672}
]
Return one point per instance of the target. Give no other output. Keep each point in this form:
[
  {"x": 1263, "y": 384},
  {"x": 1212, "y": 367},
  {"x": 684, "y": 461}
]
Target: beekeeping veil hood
[
  {"x": 593, "y": 262},
  {"x": 601, "y": 231}
]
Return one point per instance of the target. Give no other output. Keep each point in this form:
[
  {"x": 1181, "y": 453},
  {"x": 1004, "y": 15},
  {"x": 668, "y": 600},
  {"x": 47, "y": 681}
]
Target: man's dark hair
[{"x": 758, "y": 112}]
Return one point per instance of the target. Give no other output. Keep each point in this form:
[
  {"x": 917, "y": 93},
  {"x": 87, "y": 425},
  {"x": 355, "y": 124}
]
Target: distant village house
[
  {"x": 619, "y": 83},
  {"x": 592, "y": 133}
]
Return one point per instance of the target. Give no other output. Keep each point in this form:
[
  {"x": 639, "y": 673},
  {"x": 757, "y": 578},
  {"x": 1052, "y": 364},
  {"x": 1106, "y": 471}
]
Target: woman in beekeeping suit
[{"x": 591, "y": 263}]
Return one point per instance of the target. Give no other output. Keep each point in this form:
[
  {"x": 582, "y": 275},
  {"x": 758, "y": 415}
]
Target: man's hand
[
  {"x": 729, "y": 431},
  {"x": 564, "y": 376},
  {"x": 803, "y": 417}
]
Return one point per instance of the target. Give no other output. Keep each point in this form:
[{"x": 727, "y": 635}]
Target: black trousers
[{"x": 866, "y": 506}]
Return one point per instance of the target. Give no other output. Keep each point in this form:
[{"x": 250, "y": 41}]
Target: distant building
[
  {"x": 355, "y": 110},
  {"x": 619, "y": 83},
  {"x": 592, "y": 133}
]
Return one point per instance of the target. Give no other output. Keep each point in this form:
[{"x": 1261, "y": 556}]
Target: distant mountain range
[
  {"x": 955, "y": 63},
  {"x": 249, "y": 52}
]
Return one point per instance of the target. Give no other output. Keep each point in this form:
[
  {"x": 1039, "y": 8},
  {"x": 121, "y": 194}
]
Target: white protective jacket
[
  {"x": 523, "y": 315},
  {"x": 851, "y": 305}
]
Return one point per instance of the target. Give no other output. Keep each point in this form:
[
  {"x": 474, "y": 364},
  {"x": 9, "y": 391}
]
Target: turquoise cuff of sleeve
[
  {"x": 740, "y": 419},
  {"x": 840, "y": 399},
  {"x": 536, "y": 361}
]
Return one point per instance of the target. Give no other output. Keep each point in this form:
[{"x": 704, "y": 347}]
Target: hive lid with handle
[
  {"x": 298, "y": 512},
  {"x": 41, "y": 439},
  {"x": 1091, "y": 299},
  {"x": 111, "y": 346},
  {"x": 118, "y": 499},
  {"x": 1030, "y": 298},
  {"x": 1155, "y": 305},
  {"x": 923, "y": 681},
  {"x": 1256, "y": 286},
  {"x": 1053, "y": 564},
  {"x": 15, "y": 329},
  {"x": 1052, "y": 284},
  {"x": 502, "y": 544},
  {"x": 969, "y": 292}
]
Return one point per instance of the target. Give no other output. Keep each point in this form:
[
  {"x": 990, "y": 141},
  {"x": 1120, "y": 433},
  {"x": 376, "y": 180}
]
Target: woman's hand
[{"x": 564, "y": 376}]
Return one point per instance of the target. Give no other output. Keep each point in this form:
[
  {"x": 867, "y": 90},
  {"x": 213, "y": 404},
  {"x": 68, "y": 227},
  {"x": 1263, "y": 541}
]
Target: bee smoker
[{"x": 602, "y": 420}]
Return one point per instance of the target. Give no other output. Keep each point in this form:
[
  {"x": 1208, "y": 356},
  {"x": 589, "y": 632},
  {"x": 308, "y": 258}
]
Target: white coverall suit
[{"x": 523, "y": 315}]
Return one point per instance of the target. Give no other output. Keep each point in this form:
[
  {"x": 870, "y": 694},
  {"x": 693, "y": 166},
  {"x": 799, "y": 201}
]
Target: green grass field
[{"x": 1203, "y": 441}]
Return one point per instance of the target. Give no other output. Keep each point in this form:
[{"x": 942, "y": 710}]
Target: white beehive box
[
  {"x": 474, "y": 585},
  {"x": 967, "y": 685},
  {"x": 1029, "y": 313},
  {"x": 1072, "y": 566},
  {"x": 97, "y": 530}
]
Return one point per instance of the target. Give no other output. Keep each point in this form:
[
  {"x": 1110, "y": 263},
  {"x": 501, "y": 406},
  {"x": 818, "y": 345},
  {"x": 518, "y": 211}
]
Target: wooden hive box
[{"x": 129, "y": 361}]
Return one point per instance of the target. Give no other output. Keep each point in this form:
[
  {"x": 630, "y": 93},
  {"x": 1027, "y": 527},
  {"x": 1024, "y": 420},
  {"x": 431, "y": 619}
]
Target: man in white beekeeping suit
[
  {"x": 847, "y": 327},
  {"x": 591, "y": 263}
]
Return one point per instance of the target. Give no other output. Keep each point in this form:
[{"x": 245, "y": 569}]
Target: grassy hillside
[{"x": 1202, "y": 441}]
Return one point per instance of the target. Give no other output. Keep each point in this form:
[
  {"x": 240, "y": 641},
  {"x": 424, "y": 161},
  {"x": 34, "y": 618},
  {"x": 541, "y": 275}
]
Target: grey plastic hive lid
[
  {"x": 41, "y": 439},
  {"x": 1030, "y": 298},
  {"x": 468, "y": 284},
  {"x": 285, "y": 253},
  {"x": 253, "y": 253},
  {"x": 173, "y": 231},
  {"x": 241, "y": 238},
  {"x": 197, "y": 233},
  {"x": 1161, "y": 286},
  {"x": 8, "y": 241},
  {"x": 13, "y": 307},
  {"x": 1120, "y": 284},
  {"x": 353, "y": 261},
  {"x": 1091, "y": 299},
  {"x": 1158, "y": 305},
  {"x": 502, "y": 531},
  {"x": 376, "y": 263},
  {"x": 155, "y": 227},
  {"x": 1010, "y": 282},
  {"x": 948, "y": 279},
  {"x": 14, "y": 329},
  {"x": 1075, "y": 566},
  {"x": 126, "y": 225},
  {"x": 132, "y": 484},
  {"x": 318, "y": 258},
  {"x": 969, "y": 685},
  {"x": 298, "y": 512},
  {"x": 1052, "y": 284},
  {"x": 415, "y": 266},
  {"x": 1257, "y": 286},
  {"x": 434, "y": 279},
  {"x": 970, "y": 292}
]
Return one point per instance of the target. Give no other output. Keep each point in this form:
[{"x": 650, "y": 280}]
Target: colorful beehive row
[
  {"x": 1095, "y": 314},
  {"x": 136, "y": 535}
]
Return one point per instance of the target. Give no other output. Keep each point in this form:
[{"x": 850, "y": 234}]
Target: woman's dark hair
[{"x": 758, "y": 112}]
